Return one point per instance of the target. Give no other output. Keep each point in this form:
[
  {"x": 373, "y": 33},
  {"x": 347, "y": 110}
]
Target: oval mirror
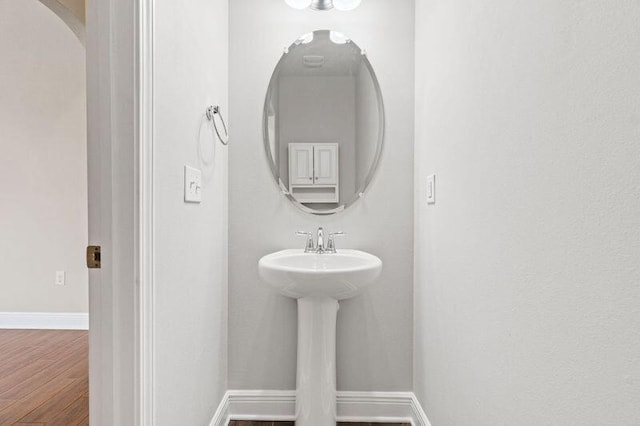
[{"x": 323, "y": 122}]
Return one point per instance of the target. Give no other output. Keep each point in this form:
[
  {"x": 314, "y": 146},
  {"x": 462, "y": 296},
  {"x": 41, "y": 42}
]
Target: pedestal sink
[{"x": 318, "y": 281}]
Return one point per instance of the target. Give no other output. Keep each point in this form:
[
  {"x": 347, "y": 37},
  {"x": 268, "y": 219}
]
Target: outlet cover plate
[
  {"x": 60, "y": 278},
  {"x": 192, "y": 185}
]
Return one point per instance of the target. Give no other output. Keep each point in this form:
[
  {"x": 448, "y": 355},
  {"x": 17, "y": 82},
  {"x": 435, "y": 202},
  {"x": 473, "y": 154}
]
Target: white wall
[
  {"x": 527, "y": 279},
  {"x": 190, "y": 239},
  {"x": 43, "y": 161},
  {"x": 374, "y": 330}
]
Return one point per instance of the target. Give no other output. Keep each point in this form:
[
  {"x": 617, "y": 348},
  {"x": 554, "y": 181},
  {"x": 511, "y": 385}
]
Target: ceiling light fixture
[{"x": 343, "y": 5}]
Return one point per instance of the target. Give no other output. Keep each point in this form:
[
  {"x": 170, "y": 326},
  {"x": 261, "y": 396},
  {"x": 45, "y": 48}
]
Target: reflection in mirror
[{"x": 323, "y": 122}]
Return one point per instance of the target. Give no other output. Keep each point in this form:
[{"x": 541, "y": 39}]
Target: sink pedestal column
[{"x": 316, "y": 375}]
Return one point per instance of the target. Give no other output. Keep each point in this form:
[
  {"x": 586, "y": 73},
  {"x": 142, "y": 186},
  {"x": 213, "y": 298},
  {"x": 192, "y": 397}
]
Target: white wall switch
[
  {"x": 431, "y": 189},
  {"x": 60, "y": 278},
  {"x": 192, "y": 185}
]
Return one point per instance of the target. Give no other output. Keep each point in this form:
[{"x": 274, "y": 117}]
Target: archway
[{"x": 72, "y": 13}]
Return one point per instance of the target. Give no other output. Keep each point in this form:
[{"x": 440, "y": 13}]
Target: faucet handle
[
  {"x": 308, "y": 247},
  {"x": 331, "y": 243}
]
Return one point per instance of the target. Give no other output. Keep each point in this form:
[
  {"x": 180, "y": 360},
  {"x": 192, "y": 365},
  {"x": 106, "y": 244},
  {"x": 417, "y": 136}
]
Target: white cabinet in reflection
[
  {"x": 325, "y": 164},
  {"x": 300, "y": 164},
  {"x": 313, "y": 172}
]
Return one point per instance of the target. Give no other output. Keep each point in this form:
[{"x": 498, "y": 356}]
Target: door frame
[
  {"x": 146, "y": 114},
  {"x": 121, "y": 219}
]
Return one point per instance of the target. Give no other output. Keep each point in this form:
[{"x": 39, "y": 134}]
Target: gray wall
[
  {"x": 298, "y": 120},
  {"x": 374, "y": 330},
  {"x": 527, "y": 279},
  {"x": 190, "y": 239},
  {"x": 367, "y": 124},
  {"x": 43, "y": 161}
]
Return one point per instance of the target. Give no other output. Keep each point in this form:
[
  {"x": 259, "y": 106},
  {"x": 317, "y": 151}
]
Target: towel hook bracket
[{"x": 211, "y": 113}]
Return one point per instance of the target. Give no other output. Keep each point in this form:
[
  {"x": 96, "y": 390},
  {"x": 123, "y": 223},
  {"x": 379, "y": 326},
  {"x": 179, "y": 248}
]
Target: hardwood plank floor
[
  {"x": 44, "y": 377},
  {"x": 44, "y": 380}
]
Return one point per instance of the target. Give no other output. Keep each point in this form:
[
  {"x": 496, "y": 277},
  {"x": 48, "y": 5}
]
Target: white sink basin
[
  {"x": 340, "y": 275},
  {"x": 318, "y": 281}
]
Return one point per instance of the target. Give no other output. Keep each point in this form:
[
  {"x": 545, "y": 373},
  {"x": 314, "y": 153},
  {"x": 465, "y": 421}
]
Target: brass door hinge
[{"x": 93, "y": 257}]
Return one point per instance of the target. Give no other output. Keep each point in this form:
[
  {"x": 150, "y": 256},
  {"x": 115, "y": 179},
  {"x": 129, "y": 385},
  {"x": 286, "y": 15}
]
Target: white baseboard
[
  {"x": 392, "y": 407},
  {"x": 44, "y": 320}
]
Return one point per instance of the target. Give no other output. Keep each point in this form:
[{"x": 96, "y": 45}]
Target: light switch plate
[
  {"x": 192, "y": 185},
  {"x": 431, "y": 189},
  {"x": 60, "y": 277}
]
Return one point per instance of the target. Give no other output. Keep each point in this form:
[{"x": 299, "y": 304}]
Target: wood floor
[
  {"x": 254, "y": 423},
  {"x": 44, "y": 378}
]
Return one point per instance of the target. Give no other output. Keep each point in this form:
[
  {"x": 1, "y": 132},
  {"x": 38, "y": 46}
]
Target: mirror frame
[{"x": 379, "y": 148}]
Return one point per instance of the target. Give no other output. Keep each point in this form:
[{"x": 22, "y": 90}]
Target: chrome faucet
[
  {"x": 320, "y": 244},
  {"x": 320, "y": 247}
]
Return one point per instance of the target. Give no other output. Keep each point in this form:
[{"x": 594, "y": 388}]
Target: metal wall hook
[{"x": 211, "y": 113}]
